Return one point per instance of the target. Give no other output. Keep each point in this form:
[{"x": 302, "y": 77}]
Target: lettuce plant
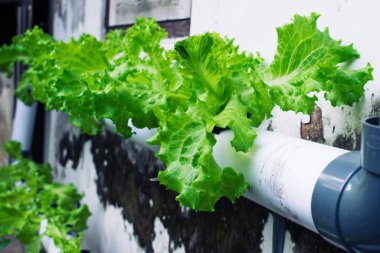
[
  {"x": 205, "y": 82},
  {"x": 28, "y": 197}
]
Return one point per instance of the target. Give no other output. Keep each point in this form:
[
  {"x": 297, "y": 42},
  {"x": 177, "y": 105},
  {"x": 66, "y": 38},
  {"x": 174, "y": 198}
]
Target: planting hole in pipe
[{"x": 373, "y": 121}]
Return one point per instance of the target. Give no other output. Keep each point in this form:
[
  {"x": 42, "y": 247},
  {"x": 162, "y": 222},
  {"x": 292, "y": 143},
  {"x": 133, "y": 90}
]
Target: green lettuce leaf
[
  {"x": 205, "y": 82},
  {"x": 234, "y": 115},
  {"x": 186, "y": 148},
  {"x": 28, "y": 196},
  {"x": 141, "y": 80},
  {"x": 24, "y": 48},
  {"x": 220, "y": 75},
  {"x": 309, "y": 60}
]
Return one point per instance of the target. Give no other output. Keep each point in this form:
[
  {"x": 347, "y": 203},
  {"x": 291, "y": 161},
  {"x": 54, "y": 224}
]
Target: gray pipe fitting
[
  {"x": 371, "y": 145},
  {"x": 346, "y": 198}
]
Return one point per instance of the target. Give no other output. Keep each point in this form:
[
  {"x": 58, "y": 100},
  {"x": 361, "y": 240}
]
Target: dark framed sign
[{"x": 173, "y": 15}]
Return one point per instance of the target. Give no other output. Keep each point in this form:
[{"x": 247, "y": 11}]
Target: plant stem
[{"x": 177, "y": 96}]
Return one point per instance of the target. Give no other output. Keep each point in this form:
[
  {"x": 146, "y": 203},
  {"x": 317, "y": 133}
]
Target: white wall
[{"x": 71, "y": 18}]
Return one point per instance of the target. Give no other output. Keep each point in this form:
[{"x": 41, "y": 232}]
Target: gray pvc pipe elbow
[
  {"x": 370, "y": 155},
  {"x": 346, "y": 197}
]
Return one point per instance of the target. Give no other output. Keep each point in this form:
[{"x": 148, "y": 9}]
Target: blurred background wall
[
  {"x": 6, "y": 109},
  {"x": 8, "y": 12}
]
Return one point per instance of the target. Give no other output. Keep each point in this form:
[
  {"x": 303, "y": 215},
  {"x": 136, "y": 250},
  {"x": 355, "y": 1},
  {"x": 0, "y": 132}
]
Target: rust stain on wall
[{"x": 313, "y": 130}]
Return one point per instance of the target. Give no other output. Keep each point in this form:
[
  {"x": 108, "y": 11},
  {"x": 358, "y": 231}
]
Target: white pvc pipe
[
  {"x": 282, "y": 170},
  {"x": 23, "y": 124}
]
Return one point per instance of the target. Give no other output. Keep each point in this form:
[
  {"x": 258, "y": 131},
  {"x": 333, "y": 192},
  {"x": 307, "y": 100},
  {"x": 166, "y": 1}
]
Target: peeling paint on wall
[
  {"x": 124, "y": 180},
  {"x": 133, "y": 213}
]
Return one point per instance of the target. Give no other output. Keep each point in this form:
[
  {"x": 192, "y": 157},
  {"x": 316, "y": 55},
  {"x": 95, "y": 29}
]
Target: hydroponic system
[{"x": 128, "y": 82}]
